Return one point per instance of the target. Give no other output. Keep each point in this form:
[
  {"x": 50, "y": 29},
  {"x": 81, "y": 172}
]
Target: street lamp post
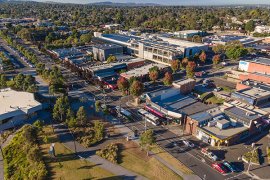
[
  {"x": 249, "y": 163},
  {"x": 144, "y": 124}
]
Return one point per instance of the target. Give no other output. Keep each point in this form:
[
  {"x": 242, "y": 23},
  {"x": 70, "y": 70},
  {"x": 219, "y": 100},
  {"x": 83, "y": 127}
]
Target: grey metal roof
[
  {"x": 202, "y": 116},
  {"x": 122, "y": 38},
  {"x": 241, "y": 114}
]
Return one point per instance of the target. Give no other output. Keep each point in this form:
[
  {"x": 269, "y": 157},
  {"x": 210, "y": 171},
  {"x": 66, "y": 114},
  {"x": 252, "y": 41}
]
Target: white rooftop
[
  {"x": 187, "y": 32},
  {"x": 14, "y": 103},
  {"x": 141, "y": 71}
]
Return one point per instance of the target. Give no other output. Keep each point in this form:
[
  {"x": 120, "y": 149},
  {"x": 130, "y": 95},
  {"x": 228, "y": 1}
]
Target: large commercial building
[
  {"x": 223, "y": 40},
  {"x": 16, "y": 107},
  {"x": 226, "y": 125},
  {"x": 143, "y": 71},
  {"x": 103, "y": 51},
  {"x": 189, "y": 33},
  {"x": 156, "y": 48},
  {"x": 258, "y": 69},
  {"x": 171, "y": 102},
  {"x": 252, "y": 92}
]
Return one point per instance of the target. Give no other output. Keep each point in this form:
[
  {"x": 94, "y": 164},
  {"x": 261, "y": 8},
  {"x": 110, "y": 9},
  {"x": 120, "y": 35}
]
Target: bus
[
  {"x": 123, "y": 111},
  {"x": 149, "y": 117}
]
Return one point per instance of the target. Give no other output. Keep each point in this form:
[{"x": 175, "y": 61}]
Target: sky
[{"x": 172, "y": 2}]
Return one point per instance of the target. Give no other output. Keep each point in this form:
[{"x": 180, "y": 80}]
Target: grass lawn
[
  {"x": 268, "y": 154},
  {"x": 215, "y": 100},
  {"x": 227, "y": 89},
  {"x": 67, "y": 165},
  {"x": 132, "y": 158},
  {"x": 171, "y": 160},
  {"x": 252, "y": 156}
]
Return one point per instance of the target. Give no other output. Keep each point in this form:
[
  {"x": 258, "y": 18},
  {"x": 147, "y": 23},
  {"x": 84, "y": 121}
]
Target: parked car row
[{"x": 222, "y": 167}]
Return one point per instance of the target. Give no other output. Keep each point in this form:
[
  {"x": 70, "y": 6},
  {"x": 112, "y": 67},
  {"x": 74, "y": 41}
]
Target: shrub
[
  {"x": 253, "y": 159},
  {"x": 110, "y": 152},
  {"x": 23, "y": 159}
]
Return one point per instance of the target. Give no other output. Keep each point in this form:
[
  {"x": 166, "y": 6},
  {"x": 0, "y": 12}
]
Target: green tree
[
  {"x": 99, "y": 130},
  {"x": 3, "y": 81},
  {"x": 86, "y": 38},
  {"x": 147, "y": 139},
  {"x": 81, "y": 115},
  {"x": 136, "y": 89},
  {"x": 235, "y": 52},
  {"x": 19, "y": 81},
  {"x": 97, "y": 106},
  {"x": 60, "y": 108},
  {"x": 111, "y": 58},
  {"x": 174, "y": 65},
  {"x": 25, "y": 34},
  {"x": 153, "y": 75},
  {"x": 168, "y": 79},
  {"x": 218, "y": 49},
  {"x": 40, "y": 68},
  {"x": 250, "y": 26}
]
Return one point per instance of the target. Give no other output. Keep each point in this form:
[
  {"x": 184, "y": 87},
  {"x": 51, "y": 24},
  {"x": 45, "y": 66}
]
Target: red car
[{"x": 220, "y": 168}]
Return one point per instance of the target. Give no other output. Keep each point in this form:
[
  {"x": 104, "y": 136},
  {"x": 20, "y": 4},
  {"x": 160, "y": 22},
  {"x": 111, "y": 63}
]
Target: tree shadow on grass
[{"x": 88, "y": 167}]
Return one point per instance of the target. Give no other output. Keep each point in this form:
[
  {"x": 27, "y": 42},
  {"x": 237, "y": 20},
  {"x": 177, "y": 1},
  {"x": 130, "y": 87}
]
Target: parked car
[
  {"x": 230, "y": 166},
  {"x": 204, "y": 85},
  {"x": 169, "y": 145},
  {"x": 220, "y": 168},
  {"x": 209, "y": 154},
  {"x": 212, "y": 156},
  {"x": 206, "y": 81},
  {"x": 210, "y": 85},
  {"x": 188, "y": 143},
  {"x": 217, "y": 89}
]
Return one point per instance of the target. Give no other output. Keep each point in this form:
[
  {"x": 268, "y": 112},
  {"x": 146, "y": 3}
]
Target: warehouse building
[{"x": 14, "y": 110}]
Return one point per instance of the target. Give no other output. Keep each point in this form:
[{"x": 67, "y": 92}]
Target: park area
[{"x": 37, "y": 163}]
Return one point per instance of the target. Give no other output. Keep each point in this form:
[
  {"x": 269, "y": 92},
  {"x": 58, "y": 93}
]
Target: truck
[{"x": 123, "y": 112}]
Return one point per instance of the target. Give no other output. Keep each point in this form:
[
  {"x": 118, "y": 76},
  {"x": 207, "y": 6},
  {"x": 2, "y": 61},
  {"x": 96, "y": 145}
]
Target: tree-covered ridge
[{"x": 169, "y": 17}]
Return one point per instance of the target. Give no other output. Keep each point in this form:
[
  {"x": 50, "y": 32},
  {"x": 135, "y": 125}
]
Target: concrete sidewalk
[{"x": 89, "y": 154}]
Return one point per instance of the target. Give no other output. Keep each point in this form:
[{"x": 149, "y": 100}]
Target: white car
[
  {"x": 218, "y": 89},
  {"x": 188, "y": 143},
  {"x": 212, "y": 156}
]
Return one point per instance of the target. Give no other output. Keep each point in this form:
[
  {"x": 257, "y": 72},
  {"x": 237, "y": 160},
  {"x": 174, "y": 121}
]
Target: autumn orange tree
[
  {"x": 216, "y": 59},
  {"x": 153, "y": 73},
  {"x": 190, "y": 68},
  {"x": 136, "y": 88},
  {"x": 203, "y": 57},
  {"x": 168, "y": 79},
  {"x": 122, "y": 84},
  {"x": 174, "y": 65},
  {"x": 184, "y": 63}
]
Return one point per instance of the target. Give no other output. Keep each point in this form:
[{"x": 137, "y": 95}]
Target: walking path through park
[{"x": 89, "y": 154}]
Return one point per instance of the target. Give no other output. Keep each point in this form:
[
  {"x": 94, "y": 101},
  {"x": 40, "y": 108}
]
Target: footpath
[{"x": 89, "y": 154}]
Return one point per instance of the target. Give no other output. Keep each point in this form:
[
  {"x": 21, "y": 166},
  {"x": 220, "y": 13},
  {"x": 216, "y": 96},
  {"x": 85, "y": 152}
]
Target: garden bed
[{"x": 252, "y": 157}]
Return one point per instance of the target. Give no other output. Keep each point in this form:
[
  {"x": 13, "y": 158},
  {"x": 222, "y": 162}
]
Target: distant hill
[{"x": 108, "y": 3}]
